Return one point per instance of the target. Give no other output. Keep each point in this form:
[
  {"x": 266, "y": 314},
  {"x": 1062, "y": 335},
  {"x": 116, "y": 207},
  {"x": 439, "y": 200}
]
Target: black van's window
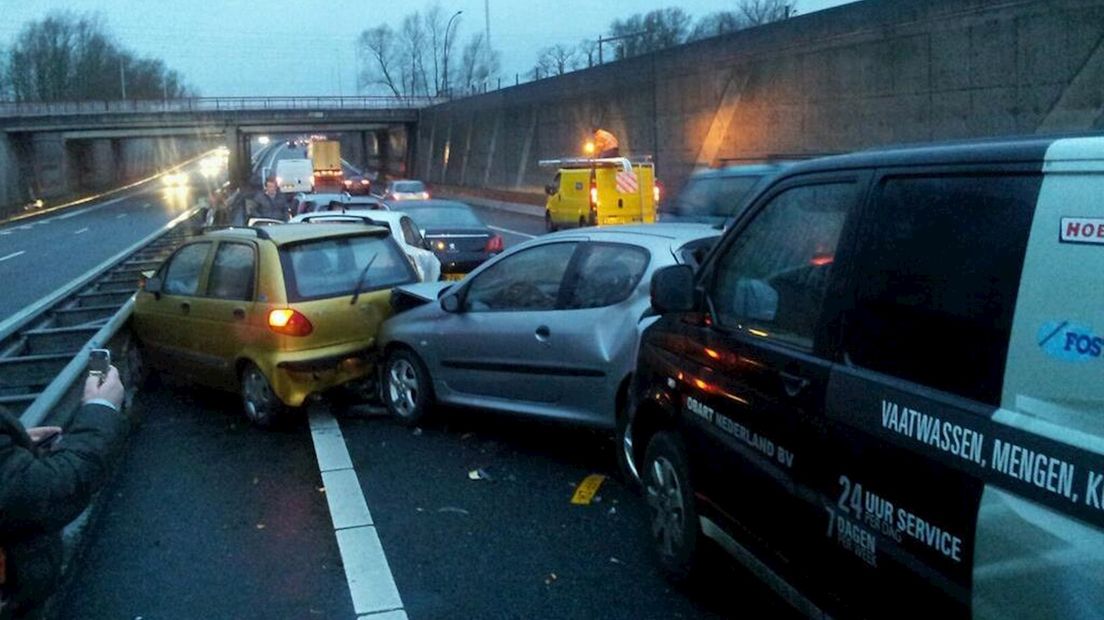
[
  {"x": 937, "y": 279},
  {"x": 770, "y": 282}
]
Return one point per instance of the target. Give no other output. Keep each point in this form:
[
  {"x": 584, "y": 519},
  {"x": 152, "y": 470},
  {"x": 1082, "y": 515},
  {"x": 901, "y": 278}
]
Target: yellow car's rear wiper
[{"x": 360, "y": 280}]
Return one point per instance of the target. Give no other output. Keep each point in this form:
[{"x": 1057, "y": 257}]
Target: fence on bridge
[{"x": 211, "y": 104}]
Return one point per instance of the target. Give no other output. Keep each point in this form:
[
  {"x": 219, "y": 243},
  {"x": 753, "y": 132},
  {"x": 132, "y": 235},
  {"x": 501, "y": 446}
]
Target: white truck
[{"x": 295, "y": 175}]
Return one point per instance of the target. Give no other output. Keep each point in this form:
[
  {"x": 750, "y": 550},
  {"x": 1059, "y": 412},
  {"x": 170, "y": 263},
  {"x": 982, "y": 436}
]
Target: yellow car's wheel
[{"x": 261, "y": 405}]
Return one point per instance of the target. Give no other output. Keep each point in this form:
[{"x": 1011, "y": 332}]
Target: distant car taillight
[
  {"x": 289, "y": 322},
  {"x": 494, "y": 244}
]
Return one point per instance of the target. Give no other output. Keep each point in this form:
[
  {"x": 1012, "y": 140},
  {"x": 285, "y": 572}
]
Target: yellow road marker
[{"x": 584, "y": 493}]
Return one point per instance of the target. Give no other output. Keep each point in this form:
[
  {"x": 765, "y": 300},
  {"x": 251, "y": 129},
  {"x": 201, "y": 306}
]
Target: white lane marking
[
  {"x": 347, "y": 505},
  {"x": 367, "y": 572},
  {"x": 83, "y": 230},
  {"x": 121, "y": 216},
  {"x": 5, "y": 232},
  {"x": 146, "y": 205},
  {"x": 95, "y": 206},
  {"x": 398, "y": 614},
  {"x": 512, "y": 232},
  {"x": 12, "y": 255},
  {"x": 26, "y": 227}
]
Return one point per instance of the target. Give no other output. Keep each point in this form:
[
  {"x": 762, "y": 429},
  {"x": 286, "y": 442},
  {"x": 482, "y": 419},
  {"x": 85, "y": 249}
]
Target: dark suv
[{"x": 882, "y": 391}]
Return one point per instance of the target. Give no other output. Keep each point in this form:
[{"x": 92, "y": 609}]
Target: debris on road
[
  {"x": 550, "y": 578},
  {"x": 587, "y": 489},
  {"x": 454, "y": 509},
  {"x": 614, "y": 560},
  {"x": 260, "y": 526},
  {"x": 466, "y": 436},
  {"x": 479, "y": 474},
  {"x": 612, "y": 510},
  {"x": 417, "y": 432}
]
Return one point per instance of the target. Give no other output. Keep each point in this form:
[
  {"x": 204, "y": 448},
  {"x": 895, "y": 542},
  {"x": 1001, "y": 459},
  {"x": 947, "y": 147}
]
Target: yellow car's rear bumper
[{"x": 296, "y": 375}]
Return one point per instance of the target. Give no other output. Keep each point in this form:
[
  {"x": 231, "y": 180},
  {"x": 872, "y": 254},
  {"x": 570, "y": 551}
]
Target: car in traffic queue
[
  {"x": 717, "y": 195},
  {"x": 454, "y": 233},
  {"x": 881, "y": 390},
  {"x": 402, "y": 228},
  {"x": 358, "y": 184},
  {"x": 329, "y": 202},
  {"x": 278, "y": 313},
  {"x": 600, "y": 192},
  {"x": 549, "y": 328},
  {"x": 404, "y": 189}
]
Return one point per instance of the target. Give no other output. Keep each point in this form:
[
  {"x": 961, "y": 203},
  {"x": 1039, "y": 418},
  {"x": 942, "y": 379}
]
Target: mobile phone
[
  {"x": 99, "y": 362},
  {"x": 49, "y": 442}
]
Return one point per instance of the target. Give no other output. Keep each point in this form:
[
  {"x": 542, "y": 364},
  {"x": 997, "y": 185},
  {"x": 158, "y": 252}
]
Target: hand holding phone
[
  {"x": 99, "y": 362},
  {"x": 45, "y": 437}
]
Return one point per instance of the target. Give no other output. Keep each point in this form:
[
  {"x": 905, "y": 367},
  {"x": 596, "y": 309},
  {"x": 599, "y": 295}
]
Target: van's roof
[{"x": 989, "y": 150}]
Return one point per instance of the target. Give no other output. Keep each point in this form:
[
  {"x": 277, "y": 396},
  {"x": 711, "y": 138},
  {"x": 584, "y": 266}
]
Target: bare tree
[
  {"x": 478, "y": 63},
  {"x": 759, "y": 12},
  {"x": 556, "y": 59},
  {"x": 716, "y": 24},
  {"x": 379, "y": 54},
  {"x": 588, "y": 48},
  {"x": 651, "y": 31},
  {"x": 70, "y": 57}
]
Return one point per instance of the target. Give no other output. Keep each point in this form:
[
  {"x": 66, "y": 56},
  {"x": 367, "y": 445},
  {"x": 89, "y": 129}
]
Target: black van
[{"x": 883, "y": 390}]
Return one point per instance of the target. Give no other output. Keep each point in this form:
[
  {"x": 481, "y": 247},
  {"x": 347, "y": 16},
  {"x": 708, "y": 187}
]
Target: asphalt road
[
  {"x": 44, "y": 253},
  {"x": 211, "y": 518}
]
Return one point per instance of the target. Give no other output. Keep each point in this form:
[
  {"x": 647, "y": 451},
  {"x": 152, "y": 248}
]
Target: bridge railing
[{"x": 211, "y": 104}]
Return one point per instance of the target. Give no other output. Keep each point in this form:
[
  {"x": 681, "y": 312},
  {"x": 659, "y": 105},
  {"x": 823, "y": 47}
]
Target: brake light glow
[
  {"x": 289, "y": 322},
  {"x": 593, "y": 196},
  {"x": 655, "y": 193},
  {"x": 494, "y": 244},
  {"x": 822, "y": 260}
]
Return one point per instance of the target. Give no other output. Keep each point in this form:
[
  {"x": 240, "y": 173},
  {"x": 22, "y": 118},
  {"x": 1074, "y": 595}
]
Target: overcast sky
[{"x": 306, "y": 47}]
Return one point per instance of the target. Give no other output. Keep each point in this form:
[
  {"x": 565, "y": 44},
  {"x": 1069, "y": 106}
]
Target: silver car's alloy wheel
[
  {"x": 258, "y": 399},
  {"x": 402, "y": 387},
  {"x": 663, "y": 493}
]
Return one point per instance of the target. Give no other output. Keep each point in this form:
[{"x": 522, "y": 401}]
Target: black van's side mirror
[
  {"x": 153, "y": 285},
  {"x": 673, "y": 289},
  {"x": 450, "y": 303}
]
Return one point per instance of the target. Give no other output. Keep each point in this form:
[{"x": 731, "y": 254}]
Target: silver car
[{"x": 549, "y": 328}]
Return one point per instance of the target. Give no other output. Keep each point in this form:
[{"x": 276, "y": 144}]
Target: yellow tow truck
[{"x": 590, "y": 191}]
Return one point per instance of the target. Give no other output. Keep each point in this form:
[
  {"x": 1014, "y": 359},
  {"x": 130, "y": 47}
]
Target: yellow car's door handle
[{"x": 239, "y": 313}]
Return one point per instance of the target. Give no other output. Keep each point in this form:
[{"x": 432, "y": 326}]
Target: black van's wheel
[
  {"x": 670, "y": 498},
  {"x": 261, "y": 405},
  {"x": 407, "y": 390},
  {"x": 549, "y": 225}
]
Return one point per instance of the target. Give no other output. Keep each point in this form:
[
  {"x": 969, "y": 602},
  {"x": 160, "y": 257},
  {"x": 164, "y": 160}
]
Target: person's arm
[{"x": 40, "y": 494}]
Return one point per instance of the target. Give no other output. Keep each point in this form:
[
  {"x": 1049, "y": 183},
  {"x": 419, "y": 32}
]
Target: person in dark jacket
[
  {"x": 42, "y": 489},
  {"x": 269, "y": 202}
]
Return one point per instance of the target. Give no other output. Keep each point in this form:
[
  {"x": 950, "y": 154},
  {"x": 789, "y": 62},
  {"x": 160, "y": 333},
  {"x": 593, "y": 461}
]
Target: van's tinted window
[
  {"x": 771, "y": 280},
  {"x": 938, "y": 272},
  {"x": 713, "y": 195}
]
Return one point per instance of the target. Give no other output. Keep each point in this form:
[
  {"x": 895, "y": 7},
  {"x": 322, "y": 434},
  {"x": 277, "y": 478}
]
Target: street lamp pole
[{"x": 448, "y": 27}]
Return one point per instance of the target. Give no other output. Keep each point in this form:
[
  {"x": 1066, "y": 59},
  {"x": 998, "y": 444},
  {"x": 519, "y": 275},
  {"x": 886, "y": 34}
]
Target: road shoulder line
[{"x": 371, "y": 584}]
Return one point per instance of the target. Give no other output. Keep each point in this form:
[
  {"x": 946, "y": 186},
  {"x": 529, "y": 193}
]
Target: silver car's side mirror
[{"x": 450, "y": 303}]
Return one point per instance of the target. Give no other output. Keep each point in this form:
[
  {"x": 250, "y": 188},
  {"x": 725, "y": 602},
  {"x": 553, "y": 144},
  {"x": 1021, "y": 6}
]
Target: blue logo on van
[{"x": 1070, "y": 342}]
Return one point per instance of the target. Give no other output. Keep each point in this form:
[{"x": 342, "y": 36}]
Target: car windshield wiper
[{"x": 360, "y": 280}]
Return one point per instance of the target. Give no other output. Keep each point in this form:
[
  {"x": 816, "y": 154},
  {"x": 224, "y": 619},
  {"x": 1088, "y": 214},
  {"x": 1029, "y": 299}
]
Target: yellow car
[
  {"x": 277, "y": 313},
  {"x": 600, "y": 192}
]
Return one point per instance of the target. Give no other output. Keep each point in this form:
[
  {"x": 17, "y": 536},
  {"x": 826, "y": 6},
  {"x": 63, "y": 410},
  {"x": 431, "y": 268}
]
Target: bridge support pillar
[
  {"x": 238, "y": 166},
  {"x": 50, "y": 164},
  {"x": 383, "y": 152}
]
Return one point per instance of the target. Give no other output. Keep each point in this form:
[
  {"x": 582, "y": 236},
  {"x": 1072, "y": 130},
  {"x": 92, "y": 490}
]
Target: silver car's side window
[
  {"x": 528, "y": 280},
  {"x": 182, "y": 276},
  {"x": 770, "y": 282},
  {"x": 607, "y": 275}
]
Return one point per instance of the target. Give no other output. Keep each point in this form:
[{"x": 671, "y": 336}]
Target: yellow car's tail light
[{"x": 289, "y": 322}]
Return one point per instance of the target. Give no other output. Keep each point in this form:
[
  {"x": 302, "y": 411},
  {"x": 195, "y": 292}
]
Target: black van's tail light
[
  {"x": 494, "y": 244},
  {"x": 289, "y": 322}
]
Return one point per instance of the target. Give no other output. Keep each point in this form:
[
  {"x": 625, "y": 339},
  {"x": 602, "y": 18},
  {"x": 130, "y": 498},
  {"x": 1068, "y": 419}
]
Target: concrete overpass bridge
[{"x": 58, "y": 148}]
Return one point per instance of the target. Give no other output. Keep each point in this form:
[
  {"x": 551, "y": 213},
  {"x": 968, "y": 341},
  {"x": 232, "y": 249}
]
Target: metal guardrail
[
  {"x": 44, "y": 349},
  {"x": 212, "y": 104}
]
